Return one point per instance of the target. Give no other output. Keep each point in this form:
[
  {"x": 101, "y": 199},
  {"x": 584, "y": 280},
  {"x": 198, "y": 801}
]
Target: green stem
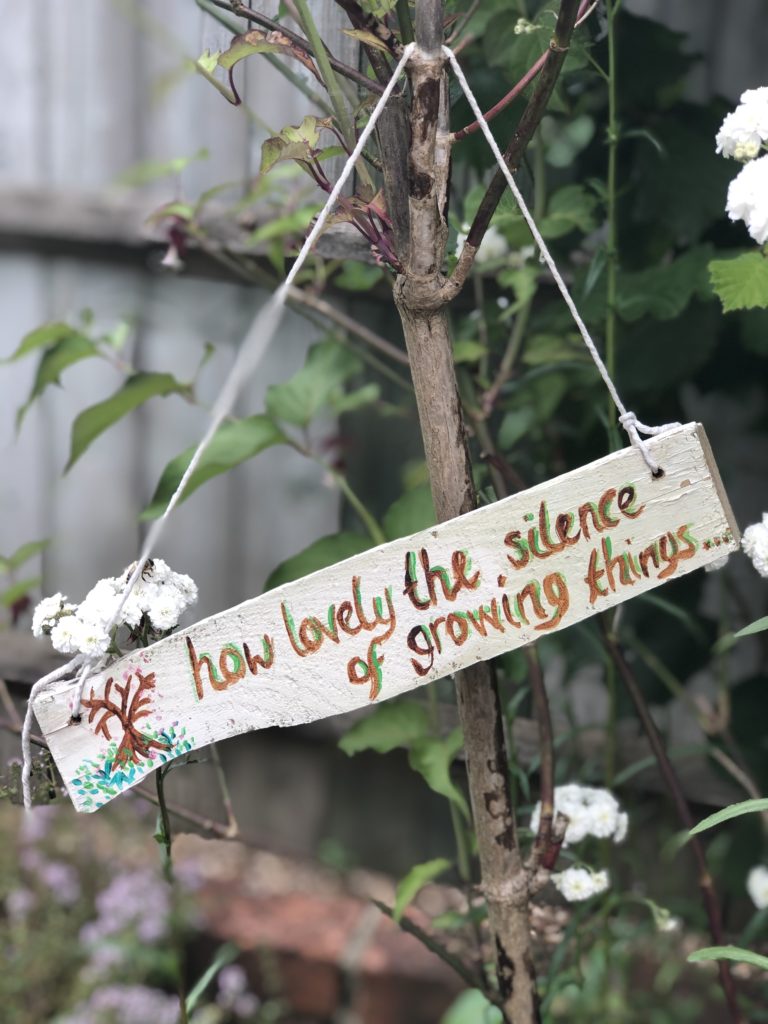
[
  {"x": 328, "y": 75},
  {"x": 369, "y": 521},
  {"x": 459, "y": 832},
  {"x": 612, "y": 243},
  {"x": 404, "y": 20},
  {"x": 293, "y": 78},
  {"x": 517, "y": 335},
  {"x": 165, "y": 838}
]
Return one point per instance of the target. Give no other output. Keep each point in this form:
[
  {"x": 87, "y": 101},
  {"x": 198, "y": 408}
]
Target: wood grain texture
[{"x": 353, "y": 633}]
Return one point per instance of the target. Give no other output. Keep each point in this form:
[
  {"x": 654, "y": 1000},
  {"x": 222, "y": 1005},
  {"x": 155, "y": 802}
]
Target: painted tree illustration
[{"x": 134, "y": 746}]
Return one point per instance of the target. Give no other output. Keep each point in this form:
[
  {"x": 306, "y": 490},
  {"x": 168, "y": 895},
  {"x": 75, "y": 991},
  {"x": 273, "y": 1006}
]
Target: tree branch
[
  {"x": 464, "y": 972},
  {"x": 584, "y": 11},
  {"x": 529, "y": 122},
  {"x": 258, "y": 18},
  {"x": 541, "y": 853}
]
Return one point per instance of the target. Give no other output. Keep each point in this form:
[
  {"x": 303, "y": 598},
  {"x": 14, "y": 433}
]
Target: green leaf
[
  {"x": 472, "y": 1007},
  {"x": 565, "y": 139},
  {"x": 515, "y": 425},
  {"x": 570, "y": 208},
  {"x": 419, "y": 876},
  {"x": 358, "y": 399},
  {"x": 547, "y": 349},
  {"x": 41, "y": 337},
  {"x": 413, "y": 511},
  {"x": 466, "y": 350},
  {"x": 523, "y": 281},
  {"x": 743, "y": 956},
  {"x": 18, "y": 590},
  {"x": 663, "y": 291},
  {"x": 432, "y": 759},
  {"x": 226, "y": 955},
  {"x": 395, "y": 723},
  {"x": 138, "y": 388},
  {"x": 63, "y": 353},
  {"x": 23, "y": 554},
  {"x": 256, "y": 41},
  {"x": 357, "y": 277},
  {"x": 741, "y": 283},
  {"x": 292, "y": 223},
  {"x": 234, "y": 442},
  {"x": 320, "y": 381},
  {"x": 295, "y": 142},
  {"x": 754, "y": 627},
  {"x": 366, "y": 39},
  {"x": 150, "y": 170},
  {"x": 323, "y": 552},
  {"x": 732, "y": 811}
]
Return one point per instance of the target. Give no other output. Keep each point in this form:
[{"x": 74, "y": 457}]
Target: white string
[
  {"x": 627, "y": 418},
  {"x": 254, "y": 345},
  {"x": 26, "y": 729}
]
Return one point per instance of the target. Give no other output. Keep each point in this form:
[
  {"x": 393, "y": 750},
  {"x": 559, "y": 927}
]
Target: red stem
[{"x": 516, "y": 89}]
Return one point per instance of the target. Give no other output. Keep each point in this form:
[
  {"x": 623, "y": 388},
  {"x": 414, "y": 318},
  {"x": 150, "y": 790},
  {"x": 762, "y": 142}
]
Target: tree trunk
[{"x": 425, "y": 324}]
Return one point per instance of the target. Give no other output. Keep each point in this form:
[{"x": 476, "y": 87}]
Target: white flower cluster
[
  {"x": 745, "y": 129},
  {"x": 743, "y": 134},
  {"x": 748, "y": 198},
  {"x": 523, "y": 27},
  {"x": 757, "y": 886},
  {"x": 577, "y": 884},
  {"x": 159, "y": 594},
  {"x": 590, "y": 812},
  {"x": 494, "y": 245},
  {"x": 755, "y": 543}
]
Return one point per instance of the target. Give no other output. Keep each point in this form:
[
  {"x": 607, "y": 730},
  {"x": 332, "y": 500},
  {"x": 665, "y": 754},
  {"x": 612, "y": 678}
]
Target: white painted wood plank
[{"x": 513, "y": 571}]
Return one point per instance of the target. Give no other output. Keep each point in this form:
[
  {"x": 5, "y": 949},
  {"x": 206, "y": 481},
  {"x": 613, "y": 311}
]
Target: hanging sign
[{"x": 400, "y": 615}]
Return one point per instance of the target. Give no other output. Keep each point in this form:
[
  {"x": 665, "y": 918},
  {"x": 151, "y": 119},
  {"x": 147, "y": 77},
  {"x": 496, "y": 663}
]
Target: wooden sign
[{"x": 400, "y": 615}]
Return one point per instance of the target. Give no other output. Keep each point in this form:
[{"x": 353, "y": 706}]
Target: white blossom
[
  {"x": 492, "y": 247},
  {"x": 745, "y": 129},
  {"x": 523, "y": 27},
  {"x": 45, "y": 615},
  {"x": 669, "y": 923},
  {"x": 67, "y": 634},
  {"x": 577, "y": 884},
  {"x": 719, "y": 563},
  {"x": 160, "y": 594},
  {"x": 757, "y": 886},
  {"x": 100, "y": 603},
  {"x": 755, "y": 544},
  {"x": 748, "y": 198},
  {"x": 172, "y": 259},
  {"x": 590, "y": 811}
]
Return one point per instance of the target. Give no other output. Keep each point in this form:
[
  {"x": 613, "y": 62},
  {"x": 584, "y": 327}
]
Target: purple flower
[
  {"x": 232, "y": 980},
  {"x": 62, "y": 880},
  {"x": 19, "y": 903},
  {"x": 125, "y": 1004},
  {"x": 35, "y": 824}
]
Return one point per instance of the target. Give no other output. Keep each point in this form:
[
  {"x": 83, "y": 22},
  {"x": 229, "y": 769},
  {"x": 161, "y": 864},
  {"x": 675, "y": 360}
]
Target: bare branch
[
  {"x": 242, "y": 11},
  {"x": 584, "y": 11}
]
